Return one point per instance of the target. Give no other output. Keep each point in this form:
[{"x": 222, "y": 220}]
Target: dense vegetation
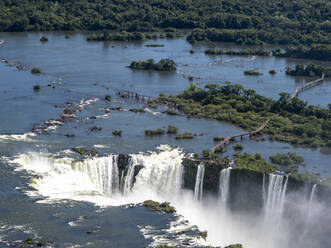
[
  {"x": 150, "y": 132},
  {"x": 292, "y": 120},
  {"x": 290, "y": 158},
  {"x": 117, "y": 36},
  {"x": 311, "y": 70},
  {"x": 162, "y": 65},
  {"x": 249, "y": 22},
  {"x": 260, "y": 52},
  {"x": 316, "y": 51},
  {"x": 252, "y": 73},
  {"x": 159, "y": 207},
  {"x": 254, "y": 162}
]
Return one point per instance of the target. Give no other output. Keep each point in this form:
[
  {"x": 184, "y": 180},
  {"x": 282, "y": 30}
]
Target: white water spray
[
  {"x": 103, "y": 173},
  {"x": 274, "y": 204},
  {"x": 224, "y": 184},
  {"x": 198, "y": 189},
  {"x": 311, "y": 200},
  {"x": 129, "y": 178}
]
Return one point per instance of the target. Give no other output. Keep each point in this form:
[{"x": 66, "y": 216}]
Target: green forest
[
  {"x": 251, "y": 22},
  {"x": 292, "y": 120}
]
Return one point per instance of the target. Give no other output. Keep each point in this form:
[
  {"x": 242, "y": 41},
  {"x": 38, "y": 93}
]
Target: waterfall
[
  {"x": 311, "y": 200},
  {"x": 275, "y": 200},
  {"x": 100, "y": 180},
  {"x": 161, "y": 175},
  {"x": 103, "y": 172},
  {"x": 198, "y": 189},
  {"x": 264, "y": 192},
  {"x": 224, "y": 183},
  {"x": 129, "y": 178}
]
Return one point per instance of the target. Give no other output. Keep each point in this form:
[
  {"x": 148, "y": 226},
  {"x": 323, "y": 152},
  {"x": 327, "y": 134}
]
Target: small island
[{"x": 149, "y": 64}]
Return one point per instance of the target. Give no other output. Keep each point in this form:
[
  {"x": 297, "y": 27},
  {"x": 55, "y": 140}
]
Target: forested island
[
  {"x": 311, "y": 70},
  {"x": 252, "y": 23},
  {"x": 291, "y": 119},
  {"x": 162, "y": 65}
]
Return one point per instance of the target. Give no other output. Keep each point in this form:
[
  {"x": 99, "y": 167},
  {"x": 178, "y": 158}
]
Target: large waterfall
[
  {"x": 101, "y": 180},
  {"x": 103, "y": 173},
  {"x": 198, "y": 189},
  {"x": 224, "y": 184},
  {"x": 275, "y": 200}
]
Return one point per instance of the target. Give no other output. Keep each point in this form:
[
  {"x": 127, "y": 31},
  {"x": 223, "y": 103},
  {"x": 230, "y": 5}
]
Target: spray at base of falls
[
  {"x": 224, "y": 184},
  {"x": 275, "y": 200},
  {"x": 160, "y": 179},
  {"x": 198, "y": 189},
  {"x": 98, "y": 179}
]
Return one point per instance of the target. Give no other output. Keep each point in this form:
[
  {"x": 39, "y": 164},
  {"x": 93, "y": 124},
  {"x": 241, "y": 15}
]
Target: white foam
[{"x": 17, "y": 137}]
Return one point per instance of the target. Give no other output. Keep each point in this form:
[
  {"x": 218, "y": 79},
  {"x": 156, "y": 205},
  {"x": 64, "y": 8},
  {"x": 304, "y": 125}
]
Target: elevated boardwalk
[
  {"x": 250, "y": 134},
  {"x": 308, "y": 85},
  {"x": 135, "y": 95}
]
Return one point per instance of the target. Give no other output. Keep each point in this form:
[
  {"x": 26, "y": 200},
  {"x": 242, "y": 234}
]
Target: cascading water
[
  {"x": 275, "y": 200},
  {"x": 98, "y": 179},
  {"x": 198, "y": 189},
  {"x": 311, "y": 200},
  {"x": 161, "y": 175},
  {"x": 103, "y": 172},
  {"x": 224, "y": 183},
  {"x": 129, "y": 178},
  {"x": 264, "y": 192}
]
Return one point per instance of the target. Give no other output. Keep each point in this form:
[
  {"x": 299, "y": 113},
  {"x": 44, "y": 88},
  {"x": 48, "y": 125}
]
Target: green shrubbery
[
  {"x": 164, "y": 207},
  {"x": 162, "y": 65},
  {"x": 150, "y": 132},
  {"x": 260, "y": 52},
  {"x": 117, "y": 36},
  {"x": 311, "y": 70},
  {"x": 185, "y": 136},
  {"x": 36, "y": 70},
  {"x": 172, "y": 130},
  {"x": 36, "y": 87},
  {"x": 292, "y": 120},
  {"x": 117, "y": 132},
  {"x": 254, "y": 162},
  {"x": 252, "y": 73},
  {"x": 290, "y": 158}
]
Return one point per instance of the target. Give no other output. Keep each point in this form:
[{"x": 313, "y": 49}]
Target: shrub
[
  {"x": 43, "y": 39},
  {"x": 36, "y": 70},
  {"x": 252, "y": 73},
  {"x": 108, "y": 98},
  {"x": 171, "y": 112},
  {"x": 290, "y": 158},
  {"x": 238, "y": 147},
  {"x": 117, "y": 132},
  {"x": 95, "y": 128},
  {"x": 149, "y": 64},
  {"x": 172, "y": 130},
  {"x": 185, "y": 136},
  {"x": 165, "y": 206},
  {"x": 206, "y": 153},
  {"x": 81, "y": 150},
  {"x": 68, "y": 111},
  {"x": 219, "y": 149},
  {"x": 94, "y": 152},
  {"x": 36, "y": 87},
  {"x": 158, "y": 131},
  {"x": 218, "y": 138}
]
